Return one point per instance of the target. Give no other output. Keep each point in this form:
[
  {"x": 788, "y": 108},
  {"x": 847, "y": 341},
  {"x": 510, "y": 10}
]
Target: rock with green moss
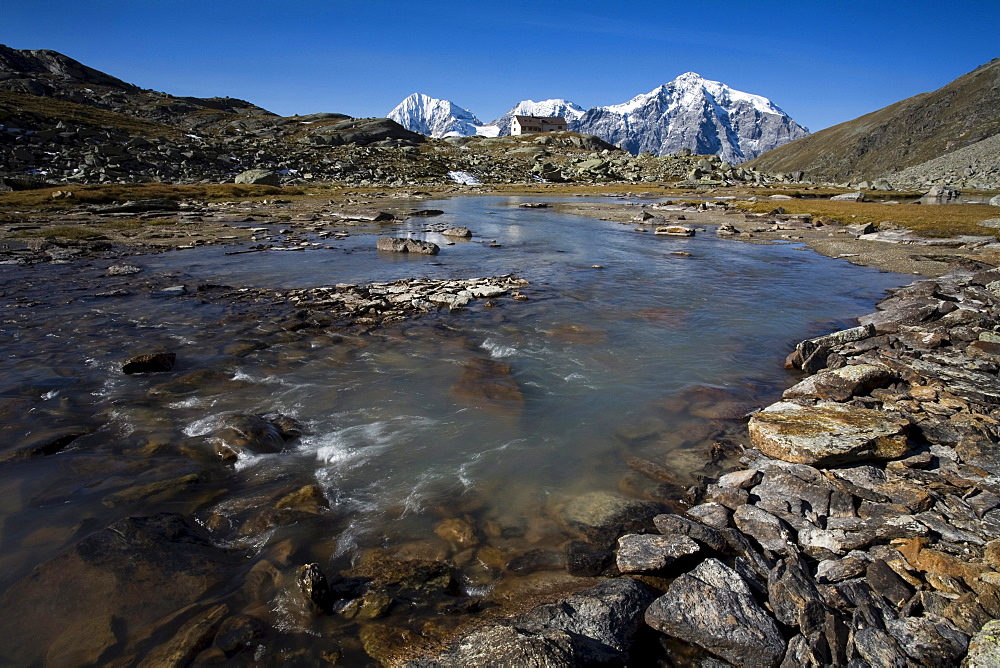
[
  {"x": 828, "y": 434},
  {"x": 984, "y": 647}
]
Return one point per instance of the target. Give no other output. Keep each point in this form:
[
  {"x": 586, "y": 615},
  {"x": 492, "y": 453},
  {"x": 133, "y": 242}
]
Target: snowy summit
[
  {"x": 437, "y": 118},
  {"x": 690, "y": 112}
]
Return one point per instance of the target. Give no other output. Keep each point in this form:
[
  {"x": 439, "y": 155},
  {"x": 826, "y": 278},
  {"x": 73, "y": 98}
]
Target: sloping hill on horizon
[{"x": 907, "y": 133}]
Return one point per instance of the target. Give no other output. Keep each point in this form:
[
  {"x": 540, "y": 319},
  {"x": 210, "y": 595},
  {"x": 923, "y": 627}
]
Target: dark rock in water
[
  {"x": 237, "y": 632},
  {"x": 537, "y": 560},
  {"x": 49, "y": 444},
  {"x": 714, "y": 608},
  {"x": 426, "y": 213},
  {"x": 313, "y": 585},
  {"x": 150, "y": 363},
  {"x": 237, "y": 433},
  {"x": 603, "y": 516},
  {"x": 488, "y": 383},
  {"x": 71, "y": 609},
  {"x": 394, "y": 245},
  {"x": 592, "y": 627},
  {"x": 370, "y": 215},
  {"x": 189, "y": 640},
  {"x": 586, "y": 560}
]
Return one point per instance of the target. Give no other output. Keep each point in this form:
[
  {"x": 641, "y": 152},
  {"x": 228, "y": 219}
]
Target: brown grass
[
  {"x": 21, "y": 104},
  {"x": 929, "y": 220},
  {"x": 106, "y": 194}
]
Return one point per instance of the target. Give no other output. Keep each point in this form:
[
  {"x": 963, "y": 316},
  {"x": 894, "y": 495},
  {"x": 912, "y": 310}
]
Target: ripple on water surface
[{"x": 466, "y": 436}]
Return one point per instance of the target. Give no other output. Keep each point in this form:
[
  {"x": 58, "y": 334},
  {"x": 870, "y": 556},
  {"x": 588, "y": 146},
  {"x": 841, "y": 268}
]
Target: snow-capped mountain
[
  {"x": 546, "y": 108},
  {"x": 690, "y": 112},
  {"x": 437, "y": 118}
]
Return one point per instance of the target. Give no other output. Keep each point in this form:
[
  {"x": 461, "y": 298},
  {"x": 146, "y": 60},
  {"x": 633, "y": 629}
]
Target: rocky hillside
[
  {"x": 62, "y": 122},
  {"x": 905, "y": 134}
]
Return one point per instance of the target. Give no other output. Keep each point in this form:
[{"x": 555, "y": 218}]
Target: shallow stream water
[{"x": 649, "y": 356}]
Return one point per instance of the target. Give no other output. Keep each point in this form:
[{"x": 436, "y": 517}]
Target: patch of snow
[{"x": 465, "y": 178}]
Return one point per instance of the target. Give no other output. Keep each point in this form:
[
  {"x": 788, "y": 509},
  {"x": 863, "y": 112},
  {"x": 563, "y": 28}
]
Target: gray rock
[
  {"x": 122, "y": 270},
  {"x": 713, "y": 514},
  {"x": 460, "y": 232},
  {"x": 828, "y": 434},
  {"x": 794, "y": 597},
  {"x": 675, "y": 525},
  {"x": 772, "y": 533},
  {"x": 848, "y": 197},
  {"x": 259, "y": 177},
  {"x": 984, "y": 647},
  {"x": 714, "y": 608},
  {"x": 843, "y": 383},
  {"x": 638, "y": 553},
  {"x": 592, "y": 627},
  {"x": 929, "y": 640},
  {"x": 995, "y": 201},
  {"x": 395, "y": 245}
]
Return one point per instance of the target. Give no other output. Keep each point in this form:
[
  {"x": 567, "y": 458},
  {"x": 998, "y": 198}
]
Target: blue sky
[{"x": 822, "y": 62}]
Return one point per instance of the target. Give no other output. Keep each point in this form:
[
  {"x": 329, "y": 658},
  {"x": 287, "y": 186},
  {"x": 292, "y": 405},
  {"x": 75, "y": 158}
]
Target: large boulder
[
  {"x": 259, "y": 177},
  {"x": 714, "y": 608},
  {"x": 828, "y": 434}
]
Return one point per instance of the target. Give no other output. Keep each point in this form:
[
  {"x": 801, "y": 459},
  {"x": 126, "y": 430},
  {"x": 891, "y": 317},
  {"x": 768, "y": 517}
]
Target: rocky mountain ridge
[
  {"x": 705, "y": 117},
  {"x": 64, "y": 123}
]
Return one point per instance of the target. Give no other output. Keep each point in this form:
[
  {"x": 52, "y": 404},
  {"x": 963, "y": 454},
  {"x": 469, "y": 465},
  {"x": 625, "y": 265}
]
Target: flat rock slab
[
  {"x": 638, "y": 553},
  {"x": 828, "y": 434},
  {"x": 843, "y": 383},
  {"x": 714, "y": 608}
]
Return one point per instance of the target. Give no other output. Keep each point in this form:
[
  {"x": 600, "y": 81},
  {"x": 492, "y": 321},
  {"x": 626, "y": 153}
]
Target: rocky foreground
[{"x": 863, "y": 528}]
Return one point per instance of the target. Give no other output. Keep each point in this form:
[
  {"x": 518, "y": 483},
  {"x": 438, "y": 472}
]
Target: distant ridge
[
  {"x": 703, "y": 116},
  {"x": 904, "y": 134}
]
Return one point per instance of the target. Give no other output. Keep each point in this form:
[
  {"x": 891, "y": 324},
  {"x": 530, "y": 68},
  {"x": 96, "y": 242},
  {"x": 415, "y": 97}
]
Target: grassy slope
[
  {"x": 928, "y": 220},
  {"x": 906, "y": 133},
  {"x": 20, "y": 105}
]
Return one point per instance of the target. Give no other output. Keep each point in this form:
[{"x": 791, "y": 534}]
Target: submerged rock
[
  {"x": 98, "y": 593},
  {"x": 488, "y": 383},
  {"x": 592, "y": 627},
  {"x": 239, "y": 433},
  {"x": 150, "y": 363}
]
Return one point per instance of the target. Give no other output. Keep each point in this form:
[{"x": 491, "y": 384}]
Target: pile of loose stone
[
  {"x": 386, "y": 303},
  {"x": 864, "y": 528}
]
